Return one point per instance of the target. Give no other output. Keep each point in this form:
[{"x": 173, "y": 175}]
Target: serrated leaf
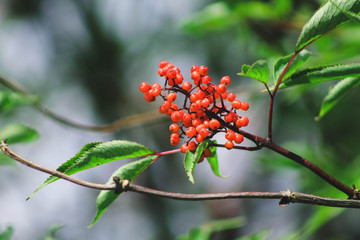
[
  {"x": 281, "y": 63},
  {"x": 10, "y": 100},
  {"x": 327, "y": 18},
  {"x": 213, "y": 160},
  {"x": 350, "y": 15},
  {"x": 98, "y": 153},
  {"x": 16, "y": 133},
  {"x": 129, "y": 172},
  {"x": 191, "y": 159},
  {"x": 258, "y": 71},
  {"x": 340, "y": 90},
  {"x": 321, "y": 74}
]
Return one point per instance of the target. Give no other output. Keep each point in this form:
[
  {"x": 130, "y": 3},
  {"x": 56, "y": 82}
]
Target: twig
[
  {"x": 129, "y": 121},
  {"x": 285, "y": 197}
]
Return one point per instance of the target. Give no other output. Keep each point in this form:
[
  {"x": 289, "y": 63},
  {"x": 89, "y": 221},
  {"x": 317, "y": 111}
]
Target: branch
[
  {"x": 129, "y": 121},
  {"x": 285, "y": 197}
]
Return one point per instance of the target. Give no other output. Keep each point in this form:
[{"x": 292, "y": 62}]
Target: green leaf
[
  {"x": 98, "y": 153},
  {"x": 327, "y": 18},
  {"x": 204, "y": 231},
  {"x": 6, "y": 235},
  {"x": 340, "y": 90},
  {"x": 10, "y": 100},
  {"x": 350, "y": 15},
  {"x": 281, "y": 63},
  {"x": 191, "y": 159},
  {"x": 321, "y": 74},
  {"x": 15, "y": 133},
  {"x": 258, "y": 71},
  {"x": 213, "y": 160},
  {"x": 129, "y": 172}
]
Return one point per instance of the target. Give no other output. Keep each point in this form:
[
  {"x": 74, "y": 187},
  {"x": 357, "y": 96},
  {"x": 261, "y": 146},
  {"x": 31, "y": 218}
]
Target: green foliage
[
  {"x": 10, "y": 100},
  {"x": 191, "y": 159},
  {"x": 322, "y": 74},
  {"x": 281, "y": 63},
  {"x": 6, "y": 234},
  {"x": 213, "y": 160},
  {"x": 129, "y": 172},
  {"x": 327, "y": 18},
  {"x": 336, "y": 93},
  {"x": 349, "y": 14},
  {"x": 98, "y": 153},
  {"x": 17, "y": 133},
  {"x": 258, "y": 71},
  {"x": 204, "y": 231}
]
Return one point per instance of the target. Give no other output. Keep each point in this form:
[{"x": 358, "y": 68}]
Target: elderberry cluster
[{"x": 203, "y": 105}]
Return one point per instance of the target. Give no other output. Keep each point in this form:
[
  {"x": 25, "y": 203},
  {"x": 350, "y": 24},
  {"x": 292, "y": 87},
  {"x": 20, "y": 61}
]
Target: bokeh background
[{"x": 85, "y": 60}]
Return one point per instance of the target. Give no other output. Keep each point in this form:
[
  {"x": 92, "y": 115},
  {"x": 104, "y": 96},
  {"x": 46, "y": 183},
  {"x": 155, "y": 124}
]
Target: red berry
[
  {"x": 199, "y": 138},
  {"x": 231, "y": 97},
  {"x": 174, "y": 128},
  {"x": 203, "y": 70},
  {"x": 221, "y": 88},
  {"x": 184, "y": 148},
  {"x": 204, "y": 132},
  {"x": 186, "y": 86},
  {"x": 236, "y": 104},
  {"x": 205, "y": 102},
  {"x": 230, "y": 135},
  {"x": 225, "y": 80},
  {"x": 192, "y": 146},
  {"x": 214, "y": 124},
  {"x": 206, "y": 80},
  {"x": 238, "y": 138},
  {"x": 190, "y": 132},
  {"x": 174, "y": 141},
  {"x": 194, "y": 68},
  {"x": 244, "y": 121},
  {"x": 195, "y": 75},
  {"x": 171, "y": 97},
  {"x": 229, "y": 145},
  {"x": 163, "y": 64},
  {"x": 149, "y": 97},
  {"x": 144, "y": 87},
  {"x": 244, "y": 106}
]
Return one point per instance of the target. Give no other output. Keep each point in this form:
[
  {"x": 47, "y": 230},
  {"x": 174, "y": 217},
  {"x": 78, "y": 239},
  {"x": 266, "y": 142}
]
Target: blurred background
[{"x": 85, "y": 60}]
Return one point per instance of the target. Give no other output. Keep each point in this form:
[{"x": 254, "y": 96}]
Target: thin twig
[
  {"x": 129, "y": 121},
  {"x": 285, "y": 197}
]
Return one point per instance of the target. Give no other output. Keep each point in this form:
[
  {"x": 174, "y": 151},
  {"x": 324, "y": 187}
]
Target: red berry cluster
[{"x": 203, "y": 105}]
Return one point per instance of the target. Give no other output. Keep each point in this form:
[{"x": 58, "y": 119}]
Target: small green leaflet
[
  {"x": 321, "y": 74},
  {"x": 213, "y": 161},
  {"x": 129, "y": 172},
  {"x": 258, "y": 71},
  {"x": 98, "y": 153},
  {"x": 340, "y": 90},
  {"x": 16, "y": 133},
  {"x": 327, "y": 18},
  {"x": 10, "y": 100},
  {"x": 281, "y": 63},
  {"x": 191, "y": 159},
  {"x": 350, "y": 15}
]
